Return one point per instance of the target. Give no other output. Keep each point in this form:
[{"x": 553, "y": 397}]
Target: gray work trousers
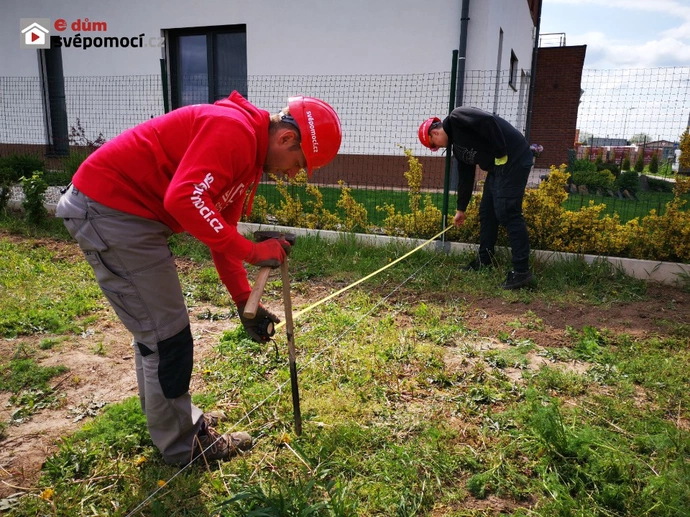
[{"x": 136, "y": 272}]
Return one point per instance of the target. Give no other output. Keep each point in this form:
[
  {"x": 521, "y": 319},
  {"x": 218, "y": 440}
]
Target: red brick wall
[
  {"x": 366, "y": 171},
  {"x": 556, "y": 99}
]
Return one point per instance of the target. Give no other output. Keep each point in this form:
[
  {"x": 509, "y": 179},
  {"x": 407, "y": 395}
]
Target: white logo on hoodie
[{"x": 200, "y": 205}]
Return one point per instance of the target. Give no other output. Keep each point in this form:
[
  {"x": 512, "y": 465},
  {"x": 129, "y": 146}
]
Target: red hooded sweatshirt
[{"x": 189, "y": 169}]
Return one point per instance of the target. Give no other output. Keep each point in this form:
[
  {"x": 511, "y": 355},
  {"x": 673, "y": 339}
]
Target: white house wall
[
  {"x": 302, "y": 37},
  {"x": 365, "y": 42},
  {"x": 487, "y": 19}
]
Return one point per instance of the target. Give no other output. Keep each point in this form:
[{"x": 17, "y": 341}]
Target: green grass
[
  {"x": 405, "y": 409},
  {"x": 51, "y": 227},
  {"x": 42, "y": 292},
  {"x": 626, "y": 209},
  {"x": 28, "y": 382}
]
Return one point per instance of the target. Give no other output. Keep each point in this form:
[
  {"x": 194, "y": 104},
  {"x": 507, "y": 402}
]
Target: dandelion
[
  {"x": 161, "y": 483},
  {"x": 140, "y": 460},
  {"x": 47, "y": 494}
]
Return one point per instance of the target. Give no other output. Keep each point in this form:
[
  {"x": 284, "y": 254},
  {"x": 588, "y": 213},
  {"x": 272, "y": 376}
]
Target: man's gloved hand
[
  {"x": 269, "y": 253},
  {"x": 501, "y": 161},
  {"x": 261, "y": 327}
]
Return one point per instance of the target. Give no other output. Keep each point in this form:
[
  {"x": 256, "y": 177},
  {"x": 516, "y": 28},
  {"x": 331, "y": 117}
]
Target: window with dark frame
[
  {"x": 512, "y": 78},
  {"x": 206, "y": 63}
]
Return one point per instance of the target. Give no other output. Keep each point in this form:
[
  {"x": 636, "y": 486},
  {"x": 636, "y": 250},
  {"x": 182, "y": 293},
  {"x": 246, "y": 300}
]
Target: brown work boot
[
  {"x": 213, "y": 418},
  {"x": 215, "y": 446}
]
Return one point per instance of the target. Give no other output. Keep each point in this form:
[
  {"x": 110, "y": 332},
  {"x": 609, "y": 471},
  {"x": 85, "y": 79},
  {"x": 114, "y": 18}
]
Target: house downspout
[
  {"x": 460, "y": 79},
  {"x": 533, "y": 75},
  {"x": 462, "y": 51}
]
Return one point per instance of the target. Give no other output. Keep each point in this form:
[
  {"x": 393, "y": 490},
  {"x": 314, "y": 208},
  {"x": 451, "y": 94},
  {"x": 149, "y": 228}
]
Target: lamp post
[{"x": 625, "y": 122}]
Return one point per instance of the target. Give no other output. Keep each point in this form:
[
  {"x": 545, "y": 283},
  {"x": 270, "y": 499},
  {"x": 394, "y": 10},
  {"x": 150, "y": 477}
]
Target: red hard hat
[
  {"x": 424, "y": 132},
  {"x": 319, "y": 126}
]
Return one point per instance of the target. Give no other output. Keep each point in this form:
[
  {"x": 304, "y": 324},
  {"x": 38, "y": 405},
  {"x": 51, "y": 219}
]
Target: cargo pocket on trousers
[
  {"x": 123, "y": 297},
  {"x": 176, "y": 359}
]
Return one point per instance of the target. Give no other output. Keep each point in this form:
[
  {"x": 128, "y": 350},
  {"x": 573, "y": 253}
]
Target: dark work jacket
[{"x": 478, "y": 138}]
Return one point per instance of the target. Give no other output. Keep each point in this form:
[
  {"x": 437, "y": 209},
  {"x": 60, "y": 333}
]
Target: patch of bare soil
[
  {"x": 660, "y": 314},
  {"x": 101, "y": 360},
  {"x": 101, "y": 371}
]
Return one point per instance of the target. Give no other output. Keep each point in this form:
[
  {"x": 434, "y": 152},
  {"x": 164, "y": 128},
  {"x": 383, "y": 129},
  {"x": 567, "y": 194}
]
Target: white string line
[{"x": 281, "y": 386}]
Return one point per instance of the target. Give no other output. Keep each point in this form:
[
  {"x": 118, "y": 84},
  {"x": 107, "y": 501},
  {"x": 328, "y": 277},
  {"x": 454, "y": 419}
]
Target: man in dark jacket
[{"x": 485, "y": 140}]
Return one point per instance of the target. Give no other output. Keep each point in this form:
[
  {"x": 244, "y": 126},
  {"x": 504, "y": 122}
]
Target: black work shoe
[
  {"x": 516, "y": 280},
  {"x": 476, "y": 265},
  {"x": 215, "y": 446}
]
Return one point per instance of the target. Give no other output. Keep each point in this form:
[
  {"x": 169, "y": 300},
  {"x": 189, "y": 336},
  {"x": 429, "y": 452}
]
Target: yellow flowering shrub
[
  {"x": 543, "y": 209},
  {"x": 355, "y": 213},
  {"x": 667, "y": 237},
  {"x": 469, "y": 231},
  {"x": 585, "y": 231},
  {"x": 550, "y": 226},
  {"x": 291, "y": 211},
  {"x": 320, "y": 218},
  {"x": 655, "y": 237},
  {"x": 420, "y": 222},
  {"x": 259, "y": 210}
]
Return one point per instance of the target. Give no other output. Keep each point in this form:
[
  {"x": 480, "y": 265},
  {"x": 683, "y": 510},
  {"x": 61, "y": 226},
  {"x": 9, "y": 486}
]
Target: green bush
[
  {"x": 73, "y": 161},
  {"x": 610, "y": 166},
  {"x": 626, "y": 164},
  {"x": 34, "y": 188},
  {"x": 584, "y": 165},
  {"x": 57, "y": 178},
  {"x": 628, "y": 180},
  {"x": 656, "y": 185},
  {"x": 22, "y": 165},
  {"x": 6, "y": 181},
  {"x": 594, "y": 181}
]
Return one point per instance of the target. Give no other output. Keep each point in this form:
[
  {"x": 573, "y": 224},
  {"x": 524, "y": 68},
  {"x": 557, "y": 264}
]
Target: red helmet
[
  {"x": 319, "y": 126},
  {"x": 424, "y": 132}
]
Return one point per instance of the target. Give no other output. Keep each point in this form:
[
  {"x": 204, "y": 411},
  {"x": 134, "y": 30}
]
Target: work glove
[
  {"x": 269, "y": 253},
  {"x": 502, "y": 160},
  {"x": 262, "y": 326}
]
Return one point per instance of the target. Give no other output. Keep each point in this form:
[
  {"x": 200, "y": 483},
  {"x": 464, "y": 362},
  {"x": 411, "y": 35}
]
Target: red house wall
[{"x": 556, "y": 98}]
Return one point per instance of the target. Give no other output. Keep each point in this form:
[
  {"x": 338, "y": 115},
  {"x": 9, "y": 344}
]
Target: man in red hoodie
[{"x": 188, "y": 170}]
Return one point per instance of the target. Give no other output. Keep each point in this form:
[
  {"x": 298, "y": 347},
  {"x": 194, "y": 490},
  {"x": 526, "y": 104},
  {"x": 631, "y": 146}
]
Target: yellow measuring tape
[{"x": 333, "y": 295}]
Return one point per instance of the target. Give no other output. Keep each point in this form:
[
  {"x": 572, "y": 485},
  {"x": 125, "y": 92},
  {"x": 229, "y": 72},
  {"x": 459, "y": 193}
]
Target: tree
[
  {"x": 586, "y": 137},
  {"x": 639, "y": 138},
  {"x": 684, "y": 158},
  {"x": 654, "y": 163},
  {"x": 639, "y": 163}
]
